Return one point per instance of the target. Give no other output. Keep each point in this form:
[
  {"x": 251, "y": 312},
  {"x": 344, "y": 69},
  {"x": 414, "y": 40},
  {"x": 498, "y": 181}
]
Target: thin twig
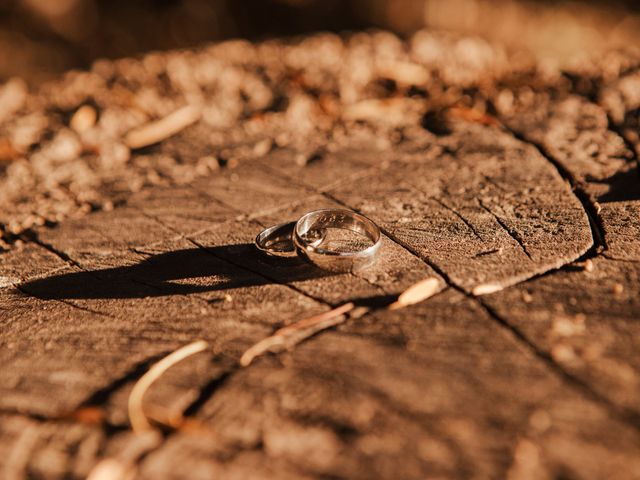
[
  {"x": 137, "y": 417},
  {"x": 293, "y": 334}
]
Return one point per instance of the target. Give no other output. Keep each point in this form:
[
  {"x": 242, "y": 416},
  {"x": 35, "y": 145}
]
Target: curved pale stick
[{"x": 137, "y": 418}]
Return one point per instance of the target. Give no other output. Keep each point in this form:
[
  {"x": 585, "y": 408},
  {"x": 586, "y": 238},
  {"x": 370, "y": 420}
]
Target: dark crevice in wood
[
  {"x": 618, "y": 130},
  {"x": 597, "y": 229},
  {"x": 36, "y": 417},
  {"x": 33, "y": 237},
  {"x": 66, "y": 419},
  {"x": 571, "y": 266},
  {"x": 512, "y": 233},
  {"x": 460, "y": 216},
  {"x": 69, "y": 419},
  {"x": 213, "y": 386},
  {"x": 488, "y": 252},
  {"x": 621, "y": 413},
  {"x": 434, "y": 266},
  {"x": 329, "y": 196},
  {"x": 101, "y": 397},
  {"x": 625, "y": 415},
  {"x": 25, "y": 291},
  {"x": 236, "y": 264},
  {"x": 258, "y": 272},
  {"x": 208, "y": 390},
  {"x": 616, "y": 259}
]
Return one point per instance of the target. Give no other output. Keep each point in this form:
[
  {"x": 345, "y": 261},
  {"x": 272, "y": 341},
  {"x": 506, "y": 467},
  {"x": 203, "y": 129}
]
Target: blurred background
[{"x": 39, "y": 38}]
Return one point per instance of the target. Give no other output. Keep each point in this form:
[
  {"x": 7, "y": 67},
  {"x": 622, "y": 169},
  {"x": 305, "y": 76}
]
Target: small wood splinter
[
  {"x": 137, "y": 418},
  {"x": 416, "y": 293},
  {"x": 162, "y": 129}
]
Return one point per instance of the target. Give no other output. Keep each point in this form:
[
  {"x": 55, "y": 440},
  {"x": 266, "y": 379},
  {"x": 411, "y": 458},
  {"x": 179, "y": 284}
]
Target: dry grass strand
[{"x": 137, "y": 418}]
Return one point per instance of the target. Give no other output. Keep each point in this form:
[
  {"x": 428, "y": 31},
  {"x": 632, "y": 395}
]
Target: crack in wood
[
  {"x": 231, "y": 262},
  {"x": 617, "y": 259},
  {"x": 209, "y": 389},
  {"x": 259, "y": 273},
  {"x": 36, "y": 417},
  {"x": 461, "y": 217},
  {"x": 588, "y": 205},
  {"x": 625, "y": 415},
  {"x": 488, "y": 252},
  {"x": 512, "y": 233},
  {"x": 101, "y": 397},
  {"x": 25, "y": 291},
  {"x": 515, "y": 331},
  {"x": 71, "y": 418},
  {"x": 33, "y": 237}
]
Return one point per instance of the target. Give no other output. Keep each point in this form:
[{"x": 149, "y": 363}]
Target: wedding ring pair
[{"x": 306, "y": 237}]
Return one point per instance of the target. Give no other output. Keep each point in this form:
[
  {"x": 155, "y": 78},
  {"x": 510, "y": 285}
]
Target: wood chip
[
  {"x": 472, "y": 115},
  {"x": 112, "y": 469},
  {"x": 417, "y": 293},
  {"x": 162, "y": 129},
  {"x": 7, "y": 151},
  {"x": 123, "y": 466},
  {"x": 13, "y": 96},
  {"x": 486, "y": 288},
  {"x": 263, "y": 147},
  {"x": 618, "y": 289},
  {"x": 405, "y": 73},
  {"x": 293, "y": 334},
  {"x": 137, "y": 418},
  {"x": 89, "y": 415},
  {"x": 390, "y": 111},
  {"x": 527, "y": 297},
  {"x": 84, "y": 118},
  {"x": 564, "y": 326},
  {"x": 305, "y": 158}
]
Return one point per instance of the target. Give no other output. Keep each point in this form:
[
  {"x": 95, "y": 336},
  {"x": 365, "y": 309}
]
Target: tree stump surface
[{"x": 515, "y": 185}]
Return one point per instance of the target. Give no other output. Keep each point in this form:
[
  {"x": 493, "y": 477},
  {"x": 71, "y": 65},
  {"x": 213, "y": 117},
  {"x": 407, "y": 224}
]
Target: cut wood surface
[{"x": 128, "y": 233}]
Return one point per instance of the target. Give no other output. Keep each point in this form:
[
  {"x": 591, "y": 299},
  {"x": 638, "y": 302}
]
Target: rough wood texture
[{"x": 517, "y": 190}]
